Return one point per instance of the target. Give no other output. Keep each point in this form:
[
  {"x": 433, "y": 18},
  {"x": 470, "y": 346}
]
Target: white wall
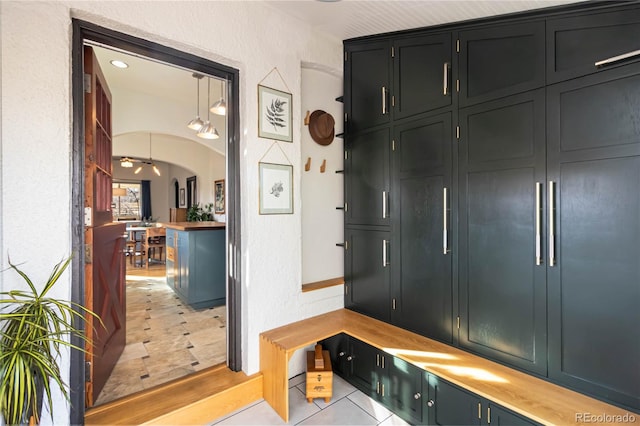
[
  {"x": 36, "y": 164},
  {"x": 322, "y": 224},
  {"x": 190, "y": 158}
]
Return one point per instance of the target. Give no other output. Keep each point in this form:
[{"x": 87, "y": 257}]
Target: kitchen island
[{"x": 196, "y": 262}]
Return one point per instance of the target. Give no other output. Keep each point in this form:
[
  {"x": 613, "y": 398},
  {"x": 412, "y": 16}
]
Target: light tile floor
[
  {"x": 166, "y": 339},
  {"x": 348, "y": 406}
]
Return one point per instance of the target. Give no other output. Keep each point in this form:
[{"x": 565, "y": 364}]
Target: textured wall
[
  {"x": 36, "y": 137},
  {"x": 322, "y": 224}
]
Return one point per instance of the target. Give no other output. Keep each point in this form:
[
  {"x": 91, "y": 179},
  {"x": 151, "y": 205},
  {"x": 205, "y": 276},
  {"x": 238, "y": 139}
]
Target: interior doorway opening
[{"x": 86, "y": 33}]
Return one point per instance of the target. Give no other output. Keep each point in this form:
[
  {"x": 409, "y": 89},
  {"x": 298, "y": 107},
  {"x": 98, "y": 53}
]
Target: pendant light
[
  {"x": 196, "y": 124},
  {"x": 208, "y": 131},
  {"x": 220, "y": 106}
]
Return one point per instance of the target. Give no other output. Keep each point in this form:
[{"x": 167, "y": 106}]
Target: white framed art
[
  {"x": 274, "y": 114},
  {"x": 276, "y": 188}
]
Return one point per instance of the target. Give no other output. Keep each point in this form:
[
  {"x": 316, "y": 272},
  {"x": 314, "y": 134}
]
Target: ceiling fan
[{"x": 127, "y": 162}]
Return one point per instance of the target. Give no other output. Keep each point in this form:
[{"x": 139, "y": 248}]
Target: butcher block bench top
[{"x": 529, "y": 396}]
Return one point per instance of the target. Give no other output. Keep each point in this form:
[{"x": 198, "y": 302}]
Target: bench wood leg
[{"x": 274, "y": 364}]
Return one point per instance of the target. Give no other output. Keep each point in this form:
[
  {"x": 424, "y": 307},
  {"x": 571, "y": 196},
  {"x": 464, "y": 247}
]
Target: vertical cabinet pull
[
  {"x": 385, "y": 263},
  {"x": 384, "y": 204},
  {"x": 445, "y": 79},
  {"x": 538, "y": 223},
  {"x": 445, "y": 236},
  {"x": 384, "y": 100},
  {"x": 552, "y": 224}
]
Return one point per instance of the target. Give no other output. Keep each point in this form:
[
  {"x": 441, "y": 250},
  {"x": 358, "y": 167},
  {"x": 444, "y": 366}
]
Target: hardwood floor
[{"x": 194, "y": 399}]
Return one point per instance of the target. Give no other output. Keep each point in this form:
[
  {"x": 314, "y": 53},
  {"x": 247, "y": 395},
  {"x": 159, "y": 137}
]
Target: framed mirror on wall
[{"x": 191, "y": 191}]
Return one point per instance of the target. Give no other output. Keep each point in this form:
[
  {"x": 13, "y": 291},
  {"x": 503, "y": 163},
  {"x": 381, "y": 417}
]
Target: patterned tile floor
[
  {"x": 166, "y": 339},
  {"x": 348, "y": 406}
]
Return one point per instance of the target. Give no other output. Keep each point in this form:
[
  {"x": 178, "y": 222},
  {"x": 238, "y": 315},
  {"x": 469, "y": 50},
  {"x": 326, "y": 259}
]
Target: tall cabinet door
[
  {"x": 501, "y": 60},
  {"x": 367, "y": 79},
  {"x": 422, "y": 275},
  {"x": 367, "y": 178},
  {"x": 594, "y": 280},
  {"x": 366, "y": 272},
  {"x": 502, "y": 279},
  {"x": 422, "y": 72}
]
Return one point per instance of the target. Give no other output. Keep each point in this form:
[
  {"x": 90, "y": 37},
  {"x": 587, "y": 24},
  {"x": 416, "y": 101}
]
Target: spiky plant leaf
[{"x": 32, "y": 334}]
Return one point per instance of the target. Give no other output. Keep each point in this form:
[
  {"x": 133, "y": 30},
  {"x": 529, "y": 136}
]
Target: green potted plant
[
  {"x": 33, "y": 329},
  {"x": 196, "y": 213}
]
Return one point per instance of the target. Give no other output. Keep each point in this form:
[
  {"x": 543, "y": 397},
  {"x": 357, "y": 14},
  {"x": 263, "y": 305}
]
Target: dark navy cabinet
[
  {"x": 196, "y": 266},
  {"x": 422, "y": 240},
  {"x": 502, "y": 274},
  {"x": 368, "y": 71},
  {"x": 494, "y": 191},
  {"x": 594, "y": 279},
  {"x": 411, "y": 393}
]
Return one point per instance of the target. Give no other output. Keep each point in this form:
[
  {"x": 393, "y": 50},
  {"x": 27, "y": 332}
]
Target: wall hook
[
  {"x": 307, "y": 166},
  {"x": 323, "y": 166}
]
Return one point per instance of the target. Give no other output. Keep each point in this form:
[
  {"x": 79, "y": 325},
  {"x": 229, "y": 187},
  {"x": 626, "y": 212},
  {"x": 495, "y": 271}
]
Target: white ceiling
[{"x": 355, "y": 18}]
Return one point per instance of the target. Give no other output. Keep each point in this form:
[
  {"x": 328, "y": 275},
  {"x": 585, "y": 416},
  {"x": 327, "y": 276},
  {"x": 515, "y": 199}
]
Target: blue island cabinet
[{"x": 196, "y": 263}]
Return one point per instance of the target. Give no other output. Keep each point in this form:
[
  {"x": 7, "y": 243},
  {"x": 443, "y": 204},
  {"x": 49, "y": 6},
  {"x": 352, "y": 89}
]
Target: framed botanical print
[
  {"x": 274, "y": 114},
  {"x": 276, "y": 188}
]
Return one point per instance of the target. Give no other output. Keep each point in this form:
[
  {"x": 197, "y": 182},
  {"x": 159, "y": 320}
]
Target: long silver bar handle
[
  {"x": 445, "y": 79},
  {"x": 384, "y": 204},
  {"x": 552, "y": 224},
  {"x": 384, "y": 100},
  {"x": 617, "y": 58},
  {"x": 384, "y": 254},
  {"x": 538, "y": 223},
  {"x": 445, "y": 236}
]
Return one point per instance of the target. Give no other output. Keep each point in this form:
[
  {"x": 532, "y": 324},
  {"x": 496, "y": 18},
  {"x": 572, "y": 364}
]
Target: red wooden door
[{"x": 104, "y": 240}]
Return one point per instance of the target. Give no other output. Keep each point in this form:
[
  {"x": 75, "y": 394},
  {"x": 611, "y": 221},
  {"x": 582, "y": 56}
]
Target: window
[{"x": 125, "y": 202}]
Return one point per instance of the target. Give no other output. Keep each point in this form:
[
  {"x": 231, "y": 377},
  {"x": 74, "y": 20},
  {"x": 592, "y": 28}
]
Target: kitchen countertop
[{"x": 194, "y": 226}]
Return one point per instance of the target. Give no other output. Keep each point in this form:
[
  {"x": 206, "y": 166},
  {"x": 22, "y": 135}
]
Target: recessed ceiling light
[{"x": 119, "y": 64}]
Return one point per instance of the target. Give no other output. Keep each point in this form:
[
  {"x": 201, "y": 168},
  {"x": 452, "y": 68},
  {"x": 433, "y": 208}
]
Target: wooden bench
[{"x": 529, "y": 396}]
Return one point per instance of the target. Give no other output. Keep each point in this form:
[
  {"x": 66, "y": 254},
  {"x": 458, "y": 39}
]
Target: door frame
[{"x": 86, "y": 31}]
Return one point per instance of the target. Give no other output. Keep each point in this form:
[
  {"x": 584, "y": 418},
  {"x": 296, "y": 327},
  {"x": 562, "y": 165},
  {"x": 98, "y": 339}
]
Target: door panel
[
  {"x": 104, "y": 240},
  {"x": 593, "y": 287},
  {"x": 422, "y": 280},
  {"x": 367, "y": 272},
  {"x": 576, "y": 43},
  {"x": 107, "y": 280},
  {"x": 502, "y": 288},
  {"x": 338, "y": 347},
  {"x": 451, "y": 405},
  {"x": 367, "y": 75},
  {"x": 367, "y": 178},
  {"x": 422, "y": 69},
  {"x": 405, "y": 394},
  {"x": 362, "y": 367},
  {"x": 500, "y": 61}
]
